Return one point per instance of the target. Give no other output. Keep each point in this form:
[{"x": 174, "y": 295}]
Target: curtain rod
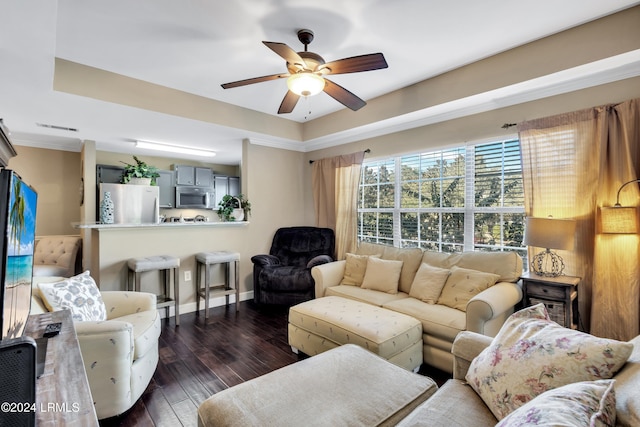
[{"x": 368, "y": 150}]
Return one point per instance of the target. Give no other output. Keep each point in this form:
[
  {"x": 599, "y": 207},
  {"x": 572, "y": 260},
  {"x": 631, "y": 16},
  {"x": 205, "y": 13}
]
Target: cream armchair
[{"x": 120, "y": 354}]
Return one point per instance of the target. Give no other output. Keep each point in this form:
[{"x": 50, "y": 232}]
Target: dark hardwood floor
[{"x": 198, "y": 359}]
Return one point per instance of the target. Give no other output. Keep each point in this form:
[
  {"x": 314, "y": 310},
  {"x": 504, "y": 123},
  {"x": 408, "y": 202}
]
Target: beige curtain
[
  {"x": 335, "y": 192},
  {"x": 573, "y": 164}
]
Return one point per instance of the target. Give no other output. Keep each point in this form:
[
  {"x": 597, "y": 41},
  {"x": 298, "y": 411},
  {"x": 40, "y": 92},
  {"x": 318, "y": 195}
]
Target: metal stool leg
[
  {"x": 198, "y": 267},
  {"x": 176, "y": 285},
  {"x": 227, "y": 283},
  {"x": 207, "y": 278},
  {"x": 237, "y": 284}
]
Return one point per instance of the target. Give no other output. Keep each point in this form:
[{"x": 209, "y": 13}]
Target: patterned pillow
[
  {"x": 428, "y": 283},
  {"x": 79, "y": 294},
  {"x": 532, "y": 354},
  {"x": 354, "y": 269},
  {"x": 464, "y": 284},
  {"x": 382, "y": 275},
  {"x": 588, "y": 403}
]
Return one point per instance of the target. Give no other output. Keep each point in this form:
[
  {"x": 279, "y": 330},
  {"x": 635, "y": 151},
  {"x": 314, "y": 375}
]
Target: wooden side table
[
  {"x": 63, "y": 397},
  {"x": 558, "y": 294}
]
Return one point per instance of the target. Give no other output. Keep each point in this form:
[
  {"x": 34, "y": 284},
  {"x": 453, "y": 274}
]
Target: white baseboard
[{"x": 213, "y": 302}]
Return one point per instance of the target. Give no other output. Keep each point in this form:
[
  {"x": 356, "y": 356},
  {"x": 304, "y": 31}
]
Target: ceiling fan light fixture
[{"x": 305, "y": 83}]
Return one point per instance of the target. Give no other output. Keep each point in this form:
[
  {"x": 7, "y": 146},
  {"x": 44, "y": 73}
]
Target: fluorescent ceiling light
[{"x": 174, "y": 148}]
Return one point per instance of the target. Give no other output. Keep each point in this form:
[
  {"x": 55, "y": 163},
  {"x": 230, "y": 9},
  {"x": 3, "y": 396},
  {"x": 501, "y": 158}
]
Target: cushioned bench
[
  {"x": 347, "y": 386},
  {"x": 322, "y": 324}
]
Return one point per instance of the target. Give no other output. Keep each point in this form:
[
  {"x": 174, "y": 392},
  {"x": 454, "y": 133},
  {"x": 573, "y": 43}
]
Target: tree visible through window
[{"x": 460, "y": 199}]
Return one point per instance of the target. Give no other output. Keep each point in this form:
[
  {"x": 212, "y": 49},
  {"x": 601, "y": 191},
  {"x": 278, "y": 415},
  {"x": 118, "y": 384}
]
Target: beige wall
[
  {"x": 276, "y": 192},
  {"x": 56, "y": 177}
]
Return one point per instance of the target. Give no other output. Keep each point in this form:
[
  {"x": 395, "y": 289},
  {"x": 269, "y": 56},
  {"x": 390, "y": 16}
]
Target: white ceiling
[{"x": 195, "y": 46}]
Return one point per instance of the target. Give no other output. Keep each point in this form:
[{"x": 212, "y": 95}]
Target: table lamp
[{"x": 549, "y": 233}]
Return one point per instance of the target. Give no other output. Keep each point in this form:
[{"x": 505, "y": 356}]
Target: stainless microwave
[{"x": 195, "y": 197}]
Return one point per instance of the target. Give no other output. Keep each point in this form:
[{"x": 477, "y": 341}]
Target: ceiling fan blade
[
  {"x": 289, "y": 55},
  {"x": 288, "y": 103},
  {"x": 343, "y": 96},
  {"x": 355, "y": 64},
  {"x": 253, "y": 80}
]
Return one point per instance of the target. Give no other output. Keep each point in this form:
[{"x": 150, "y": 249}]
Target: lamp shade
[
  {"x": 619, "y": 220},
  {"x": 305, "y": 83},
  {"x": 550, "y": 233}
]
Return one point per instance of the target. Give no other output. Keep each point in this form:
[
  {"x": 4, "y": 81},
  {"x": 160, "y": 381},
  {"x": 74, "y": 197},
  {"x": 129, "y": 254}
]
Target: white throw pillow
[
  {"x": 382, "y": 275},
  {"x": 532, "y": 354},
  {"x": 587, "y": 403},
  {"x": 80, "y": 294},
  {"x": 428, "y": 283}
]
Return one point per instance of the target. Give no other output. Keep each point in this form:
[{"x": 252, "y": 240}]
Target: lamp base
[{"x": 548, "y": 264}]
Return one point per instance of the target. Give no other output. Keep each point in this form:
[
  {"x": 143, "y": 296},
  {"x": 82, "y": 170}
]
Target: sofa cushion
[
  {"x": 80, "y": 294},
  {"x": 437, "y": 320},
  {"x": 463, "y": 284},
  {"x": 382, "y": 275},
  {"x": 587, "y": 403},
  {"x": 364, "y": 295},
  {"x": 532, "y": 354},
  {"x": 410, "y": 257},
  {"x": 627, "y": 389},
  {"x": 507, "y": 265},
  {"x": 455, "y": 404},
  {"x": 354, "y": 269},
  {"x": 428, "y": 283}
]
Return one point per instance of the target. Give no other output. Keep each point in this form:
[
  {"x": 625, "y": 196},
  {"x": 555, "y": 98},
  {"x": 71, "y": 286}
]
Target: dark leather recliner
[{"x": 284, "y": 276}]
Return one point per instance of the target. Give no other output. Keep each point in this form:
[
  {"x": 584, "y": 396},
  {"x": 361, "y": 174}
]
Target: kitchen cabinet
[
  {"x": 193, "y": 175},
  {"x": 226, "y": 185},
  {"x": 166, "y": 182},
  {"x": 108, "y": 174}
]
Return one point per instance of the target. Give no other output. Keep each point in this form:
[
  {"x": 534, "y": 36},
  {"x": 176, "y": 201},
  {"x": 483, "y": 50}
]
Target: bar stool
[
  {"x": 164, "y": 264},
  {"x": 206, "y": 260}
]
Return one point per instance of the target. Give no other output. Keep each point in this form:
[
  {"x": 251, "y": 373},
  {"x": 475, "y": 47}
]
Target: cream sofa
[
  {"x": 120, "y": 354},
  {"x": 349, "y": 386},
  {"x": 485, "y": 312},
  {"x": 456, "y": 404},
  {"x": 57, "y": 256}
]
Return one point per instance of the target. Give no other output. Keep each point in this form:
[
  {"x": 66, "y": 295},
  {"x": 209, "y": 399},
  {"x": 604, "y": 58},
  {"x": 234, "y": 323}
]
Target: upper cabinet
[
  {"x": 166, "y": 182},
  {"x": 193, "y": 175}
]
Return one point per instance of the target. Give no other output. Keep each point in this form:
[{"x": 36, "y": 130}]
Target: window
[{"x": 454, "y": 200}]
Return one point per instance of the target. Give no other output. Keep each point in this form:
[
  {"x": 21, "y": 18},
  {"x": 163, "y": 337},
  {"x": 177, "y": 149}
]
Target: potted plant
[
  {"x": 140, "y": 173},
  {"x": 234, "y": 208}
]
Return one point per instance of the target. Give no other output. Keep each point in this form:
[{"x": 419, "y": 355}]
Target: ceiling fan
[{"x": 307, "y": 71}]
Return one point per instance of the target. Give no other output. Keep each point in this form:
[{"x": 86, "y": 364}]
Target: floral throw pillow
[
  {"x": 79, "y": 294},
  {"x": 587, "y": 403},
  {"x": 532, "y": 354}
]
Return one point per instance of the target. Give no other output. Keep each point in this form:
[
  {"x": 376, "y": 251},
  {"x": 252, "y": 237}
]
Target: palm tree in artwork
[{"x": 17, "y": 214}]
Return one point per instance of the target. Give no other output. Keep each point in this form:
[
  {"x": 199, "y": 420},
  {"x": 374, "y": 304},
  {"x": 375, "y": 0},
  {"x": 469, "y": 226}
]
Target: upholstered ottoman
[
  {"x": 346, "y": 386},
  {"x": 322, "y": 324}
]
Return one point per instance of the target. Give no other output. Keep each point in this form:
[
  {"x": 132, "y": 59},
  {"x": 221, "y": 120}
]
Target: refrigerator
[{"x": 133, "y": 204}]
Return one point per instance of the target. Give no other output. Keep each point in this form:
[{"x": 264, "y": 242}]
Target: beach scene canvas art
[{"x": 20, "y": 234}]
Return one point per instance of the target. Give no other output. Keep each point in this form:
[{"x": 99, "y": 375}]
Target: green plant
[
  {"x": 229, "y": 203},
  {"x": 139, "y": 170}
]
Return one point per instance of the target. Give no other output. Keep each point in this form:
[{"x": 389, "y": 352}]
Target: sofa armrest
[
  {"x": 107, "y": 351},
  {"x": 487, "y": 311},
  {"x": 327, "y": 275},
  {"x": 123, "y": 303},
  {"x": 319, "y": 260},
  {"x": 466, "y": 347},
  {"x": 264, "y": 260}
]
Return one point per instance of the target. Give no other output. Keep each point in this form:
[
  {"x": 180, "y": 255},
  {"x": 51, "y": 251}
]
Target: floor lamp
[{"x": 549, "y": 233}]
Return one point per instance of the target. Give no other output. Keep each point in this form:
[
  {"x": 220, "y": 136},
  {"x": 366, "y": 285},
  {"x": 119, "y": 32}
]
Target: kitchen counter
[{"x": 100, "y": 226}]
